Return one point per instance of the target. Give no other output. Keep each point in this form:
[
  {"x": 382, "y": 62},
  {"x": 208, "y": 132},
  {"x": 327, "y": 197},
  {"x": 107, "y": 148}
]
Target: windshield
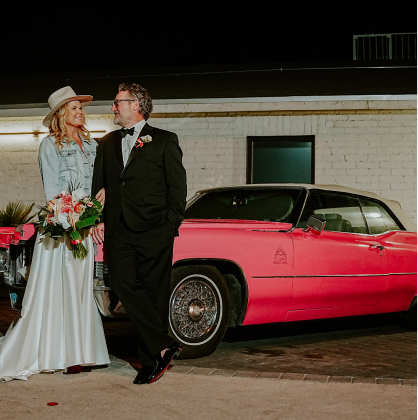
[{"x": 274, "y": 205}]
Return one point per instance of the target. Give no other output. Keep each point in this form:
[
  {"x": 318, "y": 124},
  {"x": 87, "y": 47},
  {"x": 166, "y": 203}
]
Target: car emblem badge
[{"x": 280, "y": 256}]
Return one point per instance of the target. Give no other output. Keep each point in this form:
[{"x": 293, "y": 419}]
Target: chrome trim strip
[
  {"x": 401, "y": 274},
  {"x": 371, "y": 236},
  {"x": 328, "y": 307},
  {"x": 270, "y": 230},
  {"x": 324, "y": 275},
  {"x": 333, "y": 275}
]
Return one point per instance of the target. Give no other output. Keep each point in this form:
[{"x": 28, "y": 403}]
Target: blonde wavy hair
[{"x": 58, "y": 127}]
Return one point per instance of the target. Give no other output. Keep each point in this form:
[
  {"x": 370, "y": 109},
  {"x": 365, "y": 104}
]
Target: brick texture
[{"x": 374, "y": 153}]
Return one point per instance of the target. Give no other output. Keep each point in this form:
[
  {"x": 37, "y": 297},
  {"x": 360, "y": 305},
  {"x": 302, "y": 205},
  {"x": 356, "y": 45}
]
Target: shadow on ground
[
  {"x": 364, "y": 325},
  {"x": 121, "y": 341}
]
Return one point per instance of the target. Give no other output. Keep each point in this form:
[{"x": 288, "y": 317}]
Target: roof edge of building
[{"x": 234, "y": 104}]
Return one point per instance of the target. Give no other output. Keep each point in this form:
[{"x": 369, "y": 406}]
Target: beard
[
  {"x": 119, "y": 120},
  {"x": 116, "y": 120}
]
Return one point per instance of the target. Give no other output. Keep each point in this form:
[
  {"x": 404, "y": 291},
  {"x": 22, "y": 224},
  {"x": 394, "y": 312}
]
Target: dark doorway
[{"x": 281, "y": 159}]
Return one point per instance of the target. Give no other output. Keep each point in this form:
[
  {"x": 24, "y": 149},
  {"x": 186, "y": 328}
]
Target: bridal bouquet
[{"x": 68, "y": 213}]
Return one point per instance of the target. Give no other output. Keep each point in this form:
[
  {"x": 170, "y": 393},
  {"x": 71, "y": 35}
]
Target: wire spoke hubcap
[{"x": 194, "y": 309}]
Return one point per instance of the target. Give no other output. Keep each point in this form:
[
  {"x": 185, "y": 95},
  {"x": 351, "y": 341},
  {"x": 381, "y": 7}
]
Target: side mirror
[{"x": 315, "y": 224}]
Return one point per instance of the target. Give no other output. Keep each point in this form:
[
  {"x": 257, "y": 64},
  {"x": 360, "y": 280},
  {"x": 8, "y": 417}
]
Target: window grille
[{"x": 385, "y": 46}]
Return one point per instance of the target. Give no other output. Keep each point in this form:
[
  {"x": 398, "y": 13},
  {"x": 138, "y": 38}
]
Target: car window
[
  {"x": 267, "y": 205},
  {"x": 341, "y": 212},
  {"x": 378, "y": 218}
]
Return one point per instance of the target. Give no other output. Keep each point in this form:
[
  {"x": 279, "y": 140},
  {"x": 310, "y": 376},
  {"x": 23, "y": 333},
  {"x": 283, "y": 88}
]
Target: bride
[{"x": 59, "y": 327}]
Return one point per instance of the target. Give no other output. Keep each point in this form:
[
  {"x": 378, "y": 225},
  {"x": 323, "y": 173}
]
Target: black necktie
[{"x": 126, "y": 131}]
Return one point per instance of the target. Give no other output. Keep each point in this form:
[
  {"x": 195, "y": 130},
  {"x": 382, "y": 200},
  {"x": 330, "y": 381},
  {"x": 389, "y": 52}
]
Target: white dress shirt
[{"x": 128, "y": 141}]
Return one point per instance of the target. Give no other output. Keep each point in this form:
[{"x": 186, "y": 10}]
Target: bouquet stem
[{"x": 77, "y": 247}]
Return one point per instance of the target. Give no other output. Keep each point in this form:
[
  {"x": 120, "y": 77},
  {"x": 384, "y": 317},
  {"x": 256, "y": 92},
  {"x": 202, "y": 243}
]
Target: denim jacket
[{"x": 67, "y": 165}]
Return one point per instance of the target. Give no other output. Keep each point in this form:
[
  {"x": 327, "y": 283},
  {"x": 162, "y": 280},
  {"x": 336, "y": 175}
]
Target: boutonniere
[{"x": 141, "y": 140}]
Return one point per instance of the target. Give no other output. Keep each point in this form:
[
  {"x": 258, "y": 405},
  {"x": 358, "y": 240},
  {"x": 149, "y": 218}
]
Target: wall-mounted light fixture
[{"x": 36, "y": 133}]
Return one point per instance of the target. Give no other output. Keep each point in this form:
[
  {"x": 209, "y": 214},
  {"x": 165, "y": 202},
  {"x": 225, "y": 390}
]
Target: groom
[{"x": 141, "y": 169}]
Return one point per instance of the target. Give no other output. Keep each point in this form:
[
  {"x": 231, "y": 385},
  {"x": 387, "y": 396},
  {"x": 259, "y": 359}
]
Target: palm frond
[{"x": 16, "y": 213}]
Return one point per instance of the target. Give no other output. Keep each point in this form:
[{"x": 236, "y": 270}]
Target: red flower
[
  {"x": 78, "y": 208},
  {"x": 139, "y": 143},
  {"x": 67, "y": 200},
  {"x": 67, "y": 209}
]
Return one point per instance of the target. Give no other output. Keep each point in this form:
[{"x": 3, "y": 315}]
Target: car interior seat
[{"x": 335, "y": 223}]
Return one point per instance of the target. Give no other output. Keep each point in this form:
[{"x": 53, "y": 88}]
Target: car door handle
[{"x": 379, "y": 247}]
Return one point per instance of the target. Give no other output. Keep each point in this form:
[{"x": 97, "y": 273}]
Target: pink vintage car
[{"x": 257, "y": 254}]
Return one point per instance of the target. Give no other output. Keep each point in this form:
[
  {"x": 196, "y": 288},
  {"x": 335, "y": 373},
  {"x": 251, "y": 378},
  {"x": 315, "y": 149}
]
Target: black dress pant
[{"x": 139, "y": 265}]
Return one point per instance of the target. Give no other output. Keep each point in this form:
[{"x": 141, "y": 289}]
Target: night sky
[{"x": 75, "y": 36}]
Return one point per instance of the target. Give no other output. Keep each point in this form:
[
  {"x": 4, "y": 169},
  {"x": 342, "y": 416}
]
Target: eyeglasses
[{"x": 116, "y": 101}]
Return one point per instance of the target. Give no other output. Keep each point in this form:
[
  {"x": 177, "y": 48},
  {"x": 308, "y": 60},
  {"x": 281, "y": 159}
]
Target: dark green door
[{"x": 280, "y": 159}]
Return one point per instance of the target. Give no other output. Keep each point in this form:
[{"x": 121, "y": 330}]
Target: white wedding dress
[{"x": 60, "y": 325}]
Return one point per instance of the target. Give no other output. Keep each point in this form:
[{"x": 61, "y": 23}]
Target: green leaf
[
  {"x": 83, "y": 223},
  {"x": 97, "y": 204},
  {"x": 55, "y": 231}
]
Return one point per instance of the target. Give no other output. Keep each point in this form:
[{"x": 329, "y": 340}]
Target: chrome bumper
[
  {"x": 107, "y": 302},
  {"x": 8, "y": 274}
]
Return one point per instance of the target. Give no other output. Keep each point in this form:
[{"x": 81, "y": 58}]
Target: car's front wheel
[{"x": 199, "y": 309}]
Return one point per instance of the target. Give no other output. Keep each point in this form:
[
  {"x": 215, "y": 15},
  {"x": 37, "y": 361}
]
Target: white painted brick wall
[
  {"x": 370, "y": 152},
  {"x": 374, "y": 153},
  {"x": 20, "y": 178}
]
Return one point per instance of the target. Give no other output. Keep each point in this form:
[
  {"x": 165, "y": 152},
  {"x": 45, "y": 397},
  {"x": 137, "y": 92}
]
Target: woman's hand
[{"x": 100, "y": 197}]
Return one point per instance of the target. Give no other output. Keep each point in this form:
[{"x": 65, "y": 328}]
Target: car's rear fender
[
  {"x": 235, "y": 280},
  {"x": 413, "y": 303}
]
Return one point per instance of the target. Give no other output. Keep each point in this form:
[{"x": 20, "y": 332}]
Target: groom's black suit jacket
[{"x": 150, "y": 189}]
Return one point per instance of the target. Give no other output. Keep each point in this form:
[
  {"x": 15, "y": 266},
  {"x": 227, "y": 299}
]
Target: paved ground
[
  {"x": 246, "y": 378},
  {"x": 360, "y": 350},
  {"x": 376, "y": 353},
  {"x": 105, "y": 394}
]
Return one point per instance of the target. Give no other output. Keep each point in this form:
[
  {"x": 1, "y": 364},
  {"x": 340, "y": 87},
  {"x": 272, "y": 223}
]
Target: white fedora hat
[{"x": 61, "y": 97}]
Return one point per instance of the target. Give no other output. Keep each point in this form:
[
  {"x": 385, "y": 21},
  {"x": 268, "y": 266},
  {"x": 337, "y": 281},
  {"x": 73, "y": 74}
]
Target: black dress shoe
[
  {"x": 163, "y": 363},
  {"x": 172, "y": 353},
  {"x": 145, "y": 375}
]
